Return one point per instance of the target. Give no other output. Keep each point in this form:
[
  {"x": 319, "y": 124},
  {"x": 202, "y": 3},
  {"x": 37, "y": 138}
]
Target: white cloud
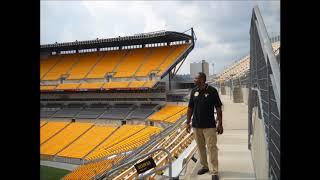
[{"x": 222, "y": 27}]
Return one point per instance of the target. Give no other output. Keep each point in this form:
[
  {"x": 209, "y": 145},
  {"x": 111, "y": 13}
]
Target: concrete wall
[
  {"x": 237, "y": 95},
  {"x": 223, "y": 90},
  {"x": 245, "y": 94},
  {"x": 259, "y": 149},
  {"x": 228, "y": 92}
]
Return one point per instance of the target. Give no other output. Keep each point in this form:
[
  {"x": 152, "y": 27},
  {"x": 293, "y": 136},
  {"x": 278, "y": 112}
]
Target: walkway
[{"x": 235, "y": 160}]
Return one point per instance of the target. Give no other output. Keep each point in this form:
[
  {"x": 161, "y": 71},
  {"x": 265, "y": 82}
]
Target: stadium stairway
[
  {"x": 46, "y": 122},
  {"x": 56, "y": 133},
  {"x": 51, "y": 68},
  {"x": 145, "y": 60},
  {"x": 100, "y": 58},
  {"x": 73, "y": 65},
  {"x": 99, "y": 145},
  {"x": 97, "y": 159},
  {"x": 123, "y": 58},
  {"x": 165, "y": 59},
  {"x": 75, "y": 140}
]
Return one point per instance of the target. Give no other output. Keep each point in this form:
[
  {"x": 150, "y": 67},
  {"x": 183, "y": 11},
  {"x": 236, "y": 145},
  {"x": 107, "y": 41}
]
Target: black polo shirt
[{"x": 203, "y": 103}]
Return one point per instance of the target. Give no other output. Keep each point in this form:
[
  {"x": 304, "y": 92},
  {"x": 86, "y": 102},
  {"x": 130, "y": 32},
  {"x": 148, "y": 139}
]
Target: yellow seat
[
  {"x": 70, "y": 86},
  {"x": 50, "y": 129},
  {"x": 87, "y": 142},
  {"x": 179, "y": 49},
  {"x": 120, "y": 134},
  {"x": 62, "y": 67},
  {"x": 63, "y": 138},
  {"x": 45, "y": 88},
  {"x": 158, "y": 55},
  {"x": 169, "y": 113},
  {"x": 95, "y": 85},
  {"x": 85, "y": 64},
  {"x": 131, "y": 63},
  {"x": 114, "y": 85},
  {"x": 107, "y": 63},
  {"x": 136, "y": 84}
]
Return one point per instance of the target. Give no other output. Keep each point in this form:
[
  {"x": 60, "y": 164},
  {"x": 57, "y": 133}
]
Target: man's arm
[
  {"x": 218, "y": 105},
  {"x": 219, "y": 115},
  {"x": 189, "y": 114},
  {"x": 219, "y": 119}
]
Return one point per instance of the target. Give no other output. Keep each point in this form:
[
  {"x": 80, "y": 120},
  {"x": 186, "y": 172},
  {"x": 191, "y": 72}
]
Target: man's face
[{"x": 197, "y": 81}]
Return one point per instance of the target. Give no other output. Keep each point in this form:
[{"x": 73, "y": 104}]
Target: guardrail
[
  {"x": 264, "y": 94},
  {"x": 169, "y": 157}
]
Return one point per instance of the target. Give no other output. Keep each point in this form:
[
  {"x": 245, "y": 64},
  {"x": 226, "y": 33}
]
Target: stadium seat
[
  {"x": 131, "y": 63},
  {"x": 87, "y": 142},
  {"x": 64, "y": 138},
  {"x": 122, "y": 133},
  {"x": 95, "y": 85},
  {"x": 115, "y": 85},
  {"x": 65, "y": 63},
  {"x": 136, "y": 84},
  {"x": 179, "y": 49},
  {"x": 69, "y": 86},
  {"x": 42, "y": 123},
  {"x": 85, "y": 64},
  {"x": 50, "y": 129},
  {"x": 90, "y": 170},
  {"x": 158, "y": 56},
  {"x": 47, "y": 88},
  {"x": 107, "y": 63},
  {"x": 169, "y": 113},
  {"x": 46, "y": 64},
  {"x": 149, "y": 84}
]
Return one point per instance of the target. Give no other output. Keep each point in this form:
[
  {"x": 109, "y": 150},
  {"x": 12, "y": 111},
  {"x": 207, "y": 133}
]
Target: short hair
[{"x": 203, "y": 76}]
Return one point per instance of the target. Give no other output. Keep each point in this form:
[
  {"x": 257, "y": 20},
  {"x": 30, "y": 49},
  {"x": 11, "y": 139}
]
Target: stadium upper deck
[
  {"x": 241, "y": 67},
  {"x": 132, "y": 62}
]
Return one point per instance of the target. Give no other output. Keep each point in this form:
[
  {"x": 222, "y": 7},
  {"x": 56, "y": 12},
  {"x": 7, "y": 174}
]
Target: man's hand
[
  {"x": 220, "y": 129},
  {"x": 188, "y": 128}
]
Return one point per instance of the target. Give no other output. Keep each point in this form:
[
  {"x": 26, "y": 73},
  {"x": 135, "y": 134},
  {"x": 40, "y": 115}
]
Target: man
[{"x": 203, "y": 100}]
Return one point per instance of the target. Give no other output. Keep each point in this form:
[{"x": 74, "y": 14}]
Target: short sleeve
[
  {"x": 191, "y": 102},
  {"x": 216, "y": 99}
]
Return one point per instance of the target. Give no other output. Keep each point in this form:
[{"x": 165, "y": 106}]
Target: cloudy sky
[{"x": 221, "y": 27}]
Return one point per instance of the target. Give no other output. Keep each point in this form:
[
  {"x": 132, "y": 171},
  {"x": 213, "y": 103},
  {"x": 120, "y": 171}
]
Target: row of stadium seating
[
  {"x": 126, "y": 144},
  {"x": 169, "y": 113},
  {"x": 125, "y": 112},
  {"x": 89, "y": 171},
  {"x": 90, "y": 141},
  {"x": 87, "y": 142},
  {"x": 50, "y": 129},
  {"x": 99, "y": 85},
  {"x": 62, "y": 139},
  {"x": 42, "y": 123},
  {"x": 124, "y": 63},
  {"x": 240, "y": 67}
]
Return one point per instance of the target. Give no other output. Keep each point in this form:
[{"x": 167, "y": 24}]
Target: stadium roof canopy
[{"x": 138, "y": 39}]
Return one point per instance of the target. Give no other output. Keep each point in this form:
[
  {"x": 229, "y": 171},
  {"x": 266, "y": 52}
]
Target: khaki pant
[{"x": 203, "y": 137}]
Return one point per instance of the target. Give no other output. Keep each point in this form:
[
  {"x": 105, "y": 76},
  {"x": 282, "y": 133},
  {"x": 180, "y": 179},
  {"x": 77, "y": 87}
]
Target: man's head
[{"x": 200, "y": 79}]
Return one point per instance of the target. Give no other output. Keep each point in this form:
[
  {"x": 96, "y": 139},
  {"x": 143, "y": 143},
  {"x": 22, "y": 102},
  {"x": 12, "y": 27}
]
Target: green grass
[{"x": 50, "y": 173}]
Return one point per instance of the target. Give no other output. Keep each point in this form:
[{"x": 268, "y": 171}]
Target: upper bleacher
[
  {"x": 122, "y": 63},
  {"x": 240, "y": 67},
  {"x": 169, "y": 113},
  {"x": 131, "y": 62}
]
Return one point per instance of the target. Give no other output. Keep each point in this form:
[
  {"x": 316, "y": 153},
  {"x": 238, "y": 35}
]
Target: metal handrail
[
  {"x": 269, "y": 55},
  {"x": 169, "y": 156}
]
